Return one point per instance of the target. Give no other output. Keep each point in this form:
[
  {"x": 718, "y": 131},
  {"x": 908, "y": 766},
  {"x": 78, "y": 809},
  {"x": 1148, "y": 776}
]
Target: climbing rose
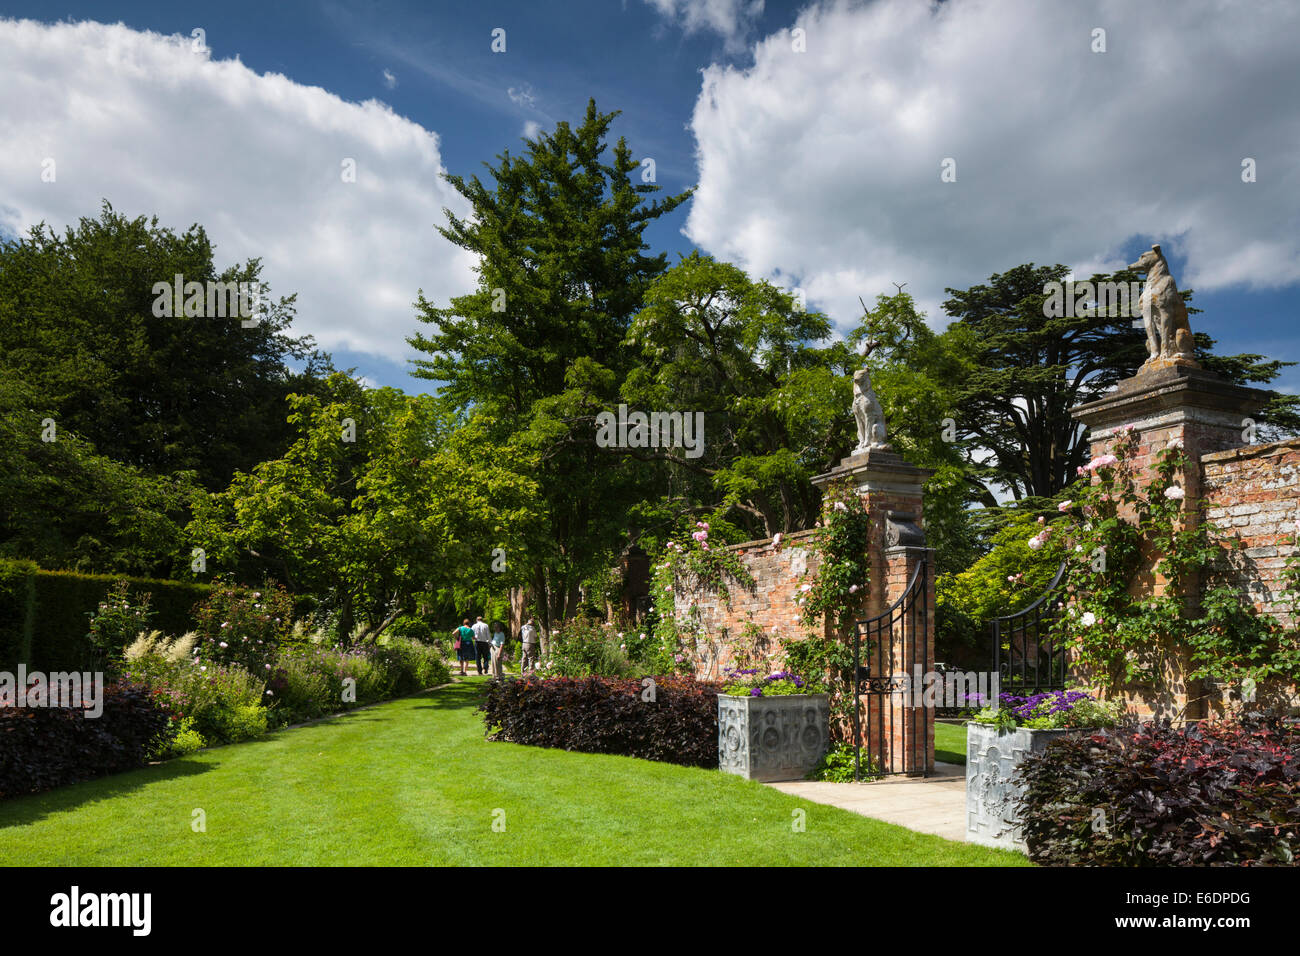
[
  {"x": 1174, "y": 492},
  {"x": 1064, "y": 505}
]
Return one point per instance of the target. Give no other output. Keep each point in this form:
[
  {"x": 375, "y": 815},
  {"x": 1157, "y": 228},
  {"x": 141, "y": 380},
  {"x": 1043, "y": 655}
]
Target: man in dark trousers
[{"x": 482, "y": 645}]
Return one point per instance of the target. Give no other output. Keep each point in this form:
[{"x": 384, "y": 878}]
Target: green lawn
[
  {"x": 414, "y": 782},
  {"x": 950, "y": 743}
]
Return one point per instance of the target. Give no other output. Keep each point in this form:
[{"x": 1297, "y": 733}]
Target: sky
[{"x": 836, "y": 147}]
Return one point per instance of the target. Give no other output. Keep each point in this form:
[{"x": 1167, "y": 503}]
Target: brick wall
[
  {"x": 778, "y": 571},
  {"x": 1253, "y": 494}
]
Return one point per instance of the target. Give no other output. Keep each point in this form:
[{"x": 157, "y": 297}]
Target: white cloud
[
  {"x": 139, "y": 119},
  {"x": 531, "y": 129},
  {"x": 822, "y": 168},
  {"x": 522, "y": 96},
  {"x": 390, "y": 80},
  {"x": 730, "y": 19}
]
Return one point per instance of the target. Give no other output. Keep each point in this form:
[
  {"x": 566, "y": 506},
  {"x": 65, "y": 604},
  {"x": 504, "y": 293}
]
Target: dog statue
[
  {"x": 1164, "y": 315},
  {"x": 868, "y": 414}
]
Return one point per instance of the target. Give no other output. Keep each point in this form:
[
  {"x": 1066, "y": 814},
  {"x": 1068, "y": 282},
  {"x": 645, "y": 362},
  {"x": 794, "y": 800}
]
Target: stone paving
[{"x": 934, "y": 804}]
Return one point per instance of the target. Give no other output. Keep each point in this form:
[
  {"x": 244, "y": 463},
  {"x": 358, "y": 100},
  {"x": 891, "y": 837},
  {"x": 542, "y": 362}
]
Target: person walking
[
  {"x": 528, "y": 638},
  {"x": 464, "y": 644},
  {"x": 482, "y": 645},
  {"x": 498, "y": 650}
]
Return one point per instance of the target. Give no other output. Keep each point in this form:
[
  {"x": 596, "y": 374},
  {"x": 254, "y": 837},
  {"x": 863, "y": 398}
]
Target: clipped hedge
[
  {"x": 1154, "y": 795},
  {"x": 43, "y": 614},
  {"x": 609, "y": 716},
  {"x": 46, "y": 747}
]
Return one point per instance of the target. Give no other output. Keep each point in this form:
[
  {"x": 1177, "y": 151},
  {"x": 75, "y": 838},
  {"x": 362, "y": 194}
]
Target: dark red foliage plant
[
  {"x": 674, "y": 719},
  {"x": 1151, "y": 794},
  {"x": 46, "y": 747}
]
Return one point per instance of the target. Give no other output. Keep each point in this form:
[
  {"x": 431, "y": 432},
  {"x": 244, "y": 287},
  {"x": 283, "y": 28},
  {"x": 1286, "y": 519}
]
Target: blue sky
[{"x": 818, "y": 168}]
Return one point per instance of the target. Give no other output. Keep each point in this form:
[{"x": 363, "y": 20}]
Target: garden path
[{"x": 934, "y": 804}]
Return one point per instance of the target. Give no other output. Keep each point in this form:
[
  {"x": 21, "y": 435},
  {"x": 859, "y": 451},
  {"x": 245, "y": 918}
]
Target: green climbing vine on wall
[{"x": 1110, "y": 530}]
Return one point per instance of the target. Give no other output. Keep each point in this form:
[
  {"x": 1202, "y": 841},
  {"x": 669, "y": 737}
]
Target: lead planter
[
  {"x": 772, "y": 738},
  {"x": 992, "y": 793}
]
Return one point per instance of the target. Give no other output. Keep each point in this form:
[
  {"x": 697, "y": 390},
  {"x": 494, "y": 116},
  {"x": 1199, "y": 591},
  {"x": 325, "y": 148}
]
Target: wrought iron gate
[
  {"x": 1032, "y": 661},
  {"x": 892, "y": 639}
]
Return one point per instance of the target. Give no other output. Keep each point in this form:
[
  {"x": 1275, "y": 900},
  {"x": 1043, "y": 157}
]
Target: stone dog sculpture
[
  {"x": 868, "y": 414},
  {"x": 1163, "y": 313}
]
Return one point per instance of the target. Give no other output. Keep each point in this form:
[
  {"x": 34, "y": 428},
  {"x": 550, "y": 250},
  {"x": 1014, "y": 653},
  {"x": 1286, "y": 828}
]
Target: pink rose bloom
[
  {"x": 1174, "y": 492},
  {"x": 1105, "y": 461},
  {"x": 1064, "y": 505}
]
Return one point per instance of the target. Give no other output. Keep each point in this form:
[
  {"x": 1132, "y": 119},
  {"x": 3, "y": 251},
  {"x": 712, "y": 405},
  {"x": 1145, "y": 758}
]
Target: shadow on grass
[
  {"x": 457, "y": 697},
  {"x": 22, "y": 810}
]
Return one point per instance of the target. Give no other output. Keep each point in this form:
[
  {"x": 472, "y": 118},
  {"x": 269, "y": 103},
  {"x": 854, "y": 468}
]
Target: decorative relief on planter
[
  {"x": 992, "y": 794},
  {"x": 772, "y": 738}
]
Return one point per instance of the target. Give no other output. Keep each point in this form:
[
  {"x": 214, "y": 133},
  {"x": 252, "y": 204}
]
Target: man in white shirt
[
  {"x": 482, "y": 645},
  {"x": 528, "y": 638}
]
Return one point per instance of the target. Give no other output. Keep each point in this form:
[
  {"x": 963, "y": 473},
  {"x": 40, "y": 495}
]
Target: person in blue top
[{"x": 465, "y": 649}]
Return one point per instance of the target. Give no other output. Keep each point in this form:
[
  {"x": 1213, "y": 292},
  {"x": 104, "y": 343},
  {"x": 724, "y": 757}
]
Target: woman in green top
[{"x": 465, "y": 652}]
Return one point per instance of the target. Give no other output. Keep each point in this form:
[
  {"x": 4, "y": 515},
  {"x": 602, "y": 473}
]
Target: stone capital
[
  {"x": 877, "y": 470},
  {"x": 1171, "y": 394}
]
